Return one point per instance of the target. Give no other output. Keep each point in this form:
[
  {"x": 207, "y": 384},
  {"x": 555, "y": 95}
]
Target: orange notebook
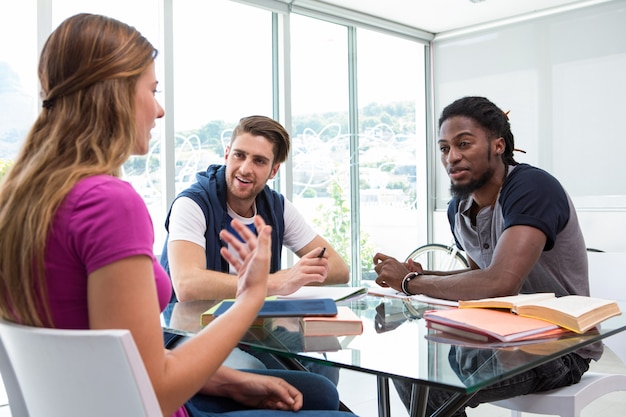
[{"x": 490, "y": 325}]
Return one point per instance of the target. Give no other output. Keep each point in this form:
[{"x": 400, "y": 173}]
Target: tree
[
  {"x": 334, "y": 225},
  {"x": 5, "y": 164}
]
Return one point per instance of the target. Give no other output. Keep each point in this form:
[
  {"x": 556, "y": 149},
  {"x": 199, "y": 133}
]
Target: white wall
[{"x": 563, "y": 79}]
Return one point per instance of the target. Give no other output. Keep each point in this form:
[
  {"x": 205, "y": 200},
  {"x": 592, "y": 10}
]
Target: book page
[
  {"x": 509, "y": 302},
  {"x": 572, "y": 305},
  {"x": 390, "y": 292},
  {"x": 386, "y": 292},
  {"x": 334, "y": 292},
  {"x": 575, "y": 312}
]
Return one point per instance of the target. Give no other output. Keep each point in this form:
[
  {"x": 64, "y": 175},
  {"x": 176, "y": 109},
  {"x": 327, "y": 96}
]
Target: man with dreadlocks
[{"x": 519, "y": 230}]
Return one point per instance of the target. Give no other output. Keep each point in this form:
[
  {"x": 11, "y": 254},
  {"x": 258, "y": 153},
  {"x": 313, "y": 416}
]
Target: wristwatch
[{"x": 405, "y": 281}]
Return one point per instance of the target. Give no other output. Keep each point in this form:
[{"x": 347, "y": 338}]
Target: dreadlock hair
[{"x": 489, "y": 116}]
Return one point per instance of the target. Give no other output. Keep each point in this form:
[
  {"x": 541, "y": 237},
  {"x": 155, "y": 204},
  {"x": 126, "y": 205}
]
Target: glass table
[{"x": 397, "y": 344}]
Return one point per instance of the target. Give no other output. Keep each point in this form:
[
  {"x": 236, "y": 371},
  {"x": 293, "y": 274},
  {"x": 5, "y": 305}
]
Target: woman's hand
[
  {"x": 254, "y": 390},
  {"x": 253, "y": 255}
]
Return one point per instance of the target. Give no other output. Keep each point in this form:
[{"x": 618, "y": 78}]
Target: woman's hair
[
  {"x": 88, "y": 71},
  {"x": 489, "y": 116},
  {"x": 270, "y": 129}
]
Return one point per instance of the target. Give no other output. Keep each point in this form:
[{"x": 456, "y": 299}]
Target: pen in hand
[{"x": 321, "y": 255}]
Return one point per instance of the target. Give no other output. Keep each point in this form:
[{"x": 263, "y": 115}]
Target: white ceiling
[{"x": 438, "y": 16}]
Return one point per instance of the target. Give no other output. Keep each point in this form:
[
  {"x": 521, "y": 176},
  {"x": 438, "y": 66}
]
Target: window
[
  {"x": 389, "y": 139},
  {"x": 222, "y": 72},
  {"x": 19, "y": 92},
  {"x": 392, "y": 174},
  {"x": 355, "y": 96},
  {"x": 320, "y": 135},
  {"x": 138, "y": 170}
]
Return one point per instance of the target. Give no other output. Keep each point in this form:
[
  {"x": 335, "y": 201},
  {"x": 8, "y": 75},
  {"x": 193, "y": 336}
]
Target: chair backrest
[
  {"x": 74, "y": 373},
  {"x": 607, "y": 279}
]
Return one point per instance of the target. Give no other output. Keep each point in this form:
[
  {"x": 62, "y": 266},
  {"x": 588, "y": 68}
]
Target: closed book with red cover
[
  {"x": 345, "y": 323},
  {"x": 490, "y": 325}
]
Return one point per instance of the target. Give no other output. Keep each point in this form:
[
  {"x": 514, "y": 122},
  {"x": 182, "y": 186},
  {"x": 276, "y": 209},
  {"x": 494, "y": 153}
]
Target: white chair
[
  {"x": 607, "y": 279},
  {"x": 74, "y": 373}
]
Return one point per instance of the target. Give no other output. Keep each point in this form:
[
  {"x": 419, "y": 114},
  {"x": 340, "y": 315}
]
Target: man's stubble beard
[{"x": 463, "y": 191}]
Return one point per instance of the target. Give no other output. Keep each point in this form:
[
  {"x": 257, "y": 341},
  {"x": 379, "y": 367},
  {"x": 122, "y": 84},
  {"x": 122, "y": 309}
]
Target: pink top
[{"x": 102, "y": 220}]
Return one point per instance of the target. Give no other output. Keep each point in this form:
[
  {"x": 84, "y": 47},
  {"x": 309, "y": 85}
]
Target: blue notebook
[
  {"x": 289, "y": 308},
  {"x": 278, "y": 308}
]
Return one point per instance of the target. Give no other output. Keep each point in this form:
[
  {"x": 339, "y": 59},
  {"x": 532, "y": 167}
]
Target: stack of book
[
  {"x": 317, "y": 316},
  {"x": 522, "y": 317},
  {"x": 278, "y": 308}
]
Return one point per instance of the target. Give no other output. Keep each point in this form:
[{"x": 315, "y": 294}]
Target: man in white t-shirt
[{"x": 239, "y": 190}]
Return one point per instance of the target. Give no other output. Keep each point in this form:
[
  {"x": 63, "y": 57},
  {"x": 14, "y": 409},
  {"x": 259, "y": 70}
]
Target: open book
[{"x": 574, "y": 312}]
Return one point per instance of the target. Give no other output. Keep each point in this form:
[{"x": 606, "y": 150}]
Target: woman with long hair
[{"x": 76, "y": 241}]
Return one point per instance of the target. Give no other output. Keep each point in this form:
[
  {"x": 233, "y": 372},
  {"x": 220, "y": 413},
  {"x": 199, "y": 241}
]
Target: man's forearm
[
  {"x": 204, "y": 285},
  {"x": 338, "y": 272}
]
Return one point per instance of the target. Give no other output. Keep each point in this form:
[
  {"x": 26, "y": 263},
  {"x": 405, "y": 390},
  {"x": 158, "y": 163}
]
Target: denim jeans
[
  {"x": 320, "y": 399},
  {"x": 239, "y": 359},
  {"x": 467, "y": 363},
  {"x": 294, "y": 341}
]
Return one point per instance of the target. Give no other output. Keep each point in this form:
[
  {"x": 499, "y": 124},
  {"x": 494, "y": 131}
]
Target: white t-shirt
[{"x": 187, "y": 222}]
